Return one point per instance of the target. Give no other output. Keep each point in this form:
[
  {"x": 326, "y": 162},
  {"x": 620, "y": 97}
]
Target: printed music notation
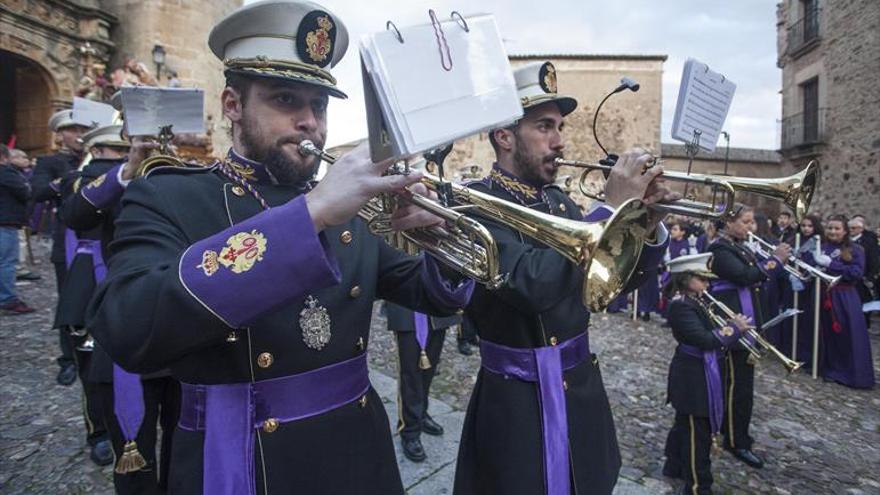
[{"x": 704, "y": 99}]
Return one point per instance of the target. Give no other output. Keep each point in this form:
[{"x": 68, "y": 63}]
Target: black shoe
[
  {"x": 646, "y": 316},
  {"x": 431, "y": 427},
  {"x": 464, "y": 347},
  {"x": 102, "y": 453},
  {"x": 748, "y": 457},
  {"x": 28, "y": 276},
  {"x": 672, "y": 472},
  {"x": 67, "y": 375},
  {"x": 413, "y": 450}
]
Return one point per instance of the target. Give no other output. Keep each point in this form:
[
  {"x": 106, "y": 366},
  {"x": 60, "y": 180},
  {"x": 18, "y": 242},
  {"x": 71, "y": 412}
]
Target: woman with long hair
[
  {"x": 740, "y": 276},
  {"x": 810, "y": 229},
  {"x": 845, "y": 353}
]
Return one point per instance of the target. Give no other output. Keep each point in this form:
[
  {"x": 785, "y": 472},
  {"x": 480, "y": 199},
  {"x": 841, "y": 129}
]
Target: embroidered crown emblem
[
  {"x": 547, "y": 78},
  {"x": 318, "y": 42},
  {"x": 242, "y": 251},
  {"x": 97, "y": 182}
]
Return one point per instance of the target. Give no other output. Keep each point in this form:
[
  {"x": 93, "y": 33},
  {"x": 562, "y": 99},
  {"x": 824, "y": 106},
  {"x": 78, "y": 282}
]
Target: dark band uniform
[
  {"x": 91, "y": 208},
  {"x": 689, "y": 442},
  {"x": 539, "y": 305},
  {"x": 49, "y": 171},
  {"x": 240, "y": 301},
  {"x": 415, "y": 374},
  {"x": 738, "y": 268}
]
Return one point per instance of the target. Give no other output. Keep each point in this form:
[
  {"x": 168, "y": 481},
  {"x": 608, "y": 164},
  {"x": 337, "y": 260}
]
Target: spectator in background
[
  {"x": 784, "y": 230},
  {"x": 14, "y": 195},
  {"x": 19, "y": 159},
  {"x": 866, "y": 287}
]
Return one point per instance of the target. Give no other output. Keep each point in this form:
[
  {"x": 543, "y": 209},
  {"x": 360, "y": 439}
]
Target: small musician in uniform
[
  {"x": 740, "y": 275},
  {"x": 255, "y": 285},
  {"x": 419, "y": 343},
  {"x": 694, "y": 388}
]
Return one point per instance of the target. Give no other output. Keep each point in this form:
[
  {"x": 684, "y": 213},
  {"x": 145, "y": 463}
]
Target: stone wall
[
  {"x": 846, "y": 59},
  {"x": 182, "y": 28}
]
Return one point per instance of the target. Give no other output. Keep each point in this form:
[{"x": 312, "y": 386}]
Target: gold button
[
  {"x": 363, "y": 401},
  {"x": 564, "y": 384},
  {"x": 355, "y": 291},
  {"x": 345, "y": 237},
  {"x": 553, "y": 341},
  {"x": 270, "y": 425},
  {"x": 232, "y": 337},
  {"x": 561, "y": 206},
  {"x": 264, "y": 360},
  {"x": 238, "y": 191},
  {"x": 360, "y": 344}
]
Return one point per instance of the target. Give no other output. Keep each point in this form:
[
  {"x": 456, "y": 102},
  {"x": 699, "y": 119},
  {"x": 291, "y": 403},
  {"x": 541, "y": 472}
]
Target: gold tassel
[
  {"x": 424, "y": 362},
  {"x": 131, "y": 459}
]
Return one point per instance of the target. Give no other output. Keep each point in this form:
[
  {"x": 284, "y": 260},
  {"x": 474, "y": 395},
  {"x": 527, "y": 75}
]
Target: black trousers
[
  {"x": 467, "y": 331},
  {"x": 739, "y": 396},
  {"x": 65, "y": 342},
  {"x": 162, "y": 407},
  {"x": 414, "y": 383},
  {"x": 92, "y": 404},
  {"x": 688, "y": 447}
]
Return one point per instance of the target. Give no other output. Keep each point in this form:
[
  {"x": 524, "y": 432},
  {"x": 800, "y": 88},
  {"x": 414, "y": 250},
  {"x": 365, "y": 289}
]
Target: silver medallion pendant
[{"x": 315, "y": 323}]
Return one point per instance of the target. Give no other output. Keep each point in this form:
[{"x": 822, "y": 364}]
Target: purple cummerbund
[
  {"x": 544, "y": 365},
  {"x": 230, "y": 414},
  {"x": 713, "y": 383},
  {"x": 745, "y": 301}
]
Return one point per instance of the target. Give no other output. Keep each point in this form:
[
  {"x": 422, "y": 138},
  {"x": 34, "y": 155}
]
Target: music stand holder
[{"x": 692, "y": 149}]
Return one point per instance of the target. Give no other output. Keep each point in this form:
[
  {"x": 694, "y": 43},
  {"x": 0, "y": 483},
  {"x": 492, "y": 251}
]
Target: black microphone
[{"x": 627, "y": 83}]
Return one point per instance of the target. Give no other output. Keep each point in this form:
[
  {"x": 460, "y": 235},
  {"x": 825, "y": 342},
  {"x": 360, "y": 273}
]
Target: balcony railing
[
  {"x": 804, "y": 129},
  {"x": 804, "y": 31}
]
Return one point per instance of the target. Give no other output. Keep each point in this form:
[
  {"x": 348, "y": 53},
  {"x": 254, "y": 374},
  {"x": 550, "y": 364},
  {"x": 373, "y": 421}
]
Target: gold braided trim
[
  {"x": 514, "y": 185},
  {"x": 287, "y": 68}
]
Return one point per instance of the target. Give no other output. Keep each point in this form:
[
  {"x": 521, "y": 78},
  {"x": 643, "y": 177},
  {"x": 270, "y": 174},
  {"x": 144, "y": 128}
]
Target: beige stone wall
[
  {"x": 846, "y": 60},
  {"x": 182, "y": 28},
  {"x": 628, "y": 119}
]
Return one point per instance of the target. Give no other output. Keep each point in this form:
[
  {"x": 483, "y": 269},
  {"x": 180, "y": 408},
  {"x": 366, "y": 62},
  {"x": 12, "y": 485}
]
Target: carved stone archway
[{"x": 44, "y": 45}]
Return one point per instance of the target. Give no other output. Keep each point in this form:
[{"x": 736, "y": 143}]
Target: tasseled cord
[
  {"x": 424, "y": 362},
  {"x": 131, "y": 459}
]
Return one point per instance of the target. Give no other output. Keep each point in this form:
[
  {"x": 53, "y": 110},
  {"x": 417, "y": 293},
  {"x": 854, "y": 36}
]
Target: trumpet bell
[{"x": 795, "y": 191}]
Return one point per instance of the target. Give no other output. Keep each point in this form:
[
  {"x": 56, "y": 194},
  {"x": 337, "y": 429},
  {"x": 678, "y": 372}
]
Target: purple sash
[
  {"x": 745, "y": 301},
  {"x": 128, "y": 391},
  {"x": 229, "y": 414},
  {"x": 421, "y": 321},
  {"x": 544, "y": 365},
  {"x": 713, "y": 383}
]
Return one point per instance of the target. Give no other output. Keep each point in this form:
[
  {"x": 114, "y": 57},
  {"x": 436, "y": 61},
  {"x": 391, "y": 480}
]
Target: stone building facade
[
  {"x": 829, "y": 53},
  {"x": 48, "y": 46}
]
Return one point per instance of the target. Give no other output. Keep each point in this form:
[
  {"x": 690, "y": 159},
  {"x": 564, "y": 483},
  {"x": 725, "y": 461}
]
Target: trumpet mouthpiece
[{"x": 307, "y": 147}]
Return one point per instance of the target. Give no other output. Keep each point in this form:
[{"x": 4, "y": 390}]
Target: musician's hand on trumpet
[
  {"x": 633, "y": 177},
  {"x": 409, "y": 216},
  {"x": 782, "y": 251},
  {"x": 350, "y": 183},
  {"x": 740, "y": 322},
  {"x": 141, "y": 148}
]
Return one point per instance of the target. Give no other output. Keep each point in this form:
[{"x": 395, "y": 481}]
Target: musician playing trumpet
[
  {"x": 549, "y": 412},
  {"x": 255, "y": 285},
  {"x": 694, "y": 387},
  {"x": 741, "y": 276}
]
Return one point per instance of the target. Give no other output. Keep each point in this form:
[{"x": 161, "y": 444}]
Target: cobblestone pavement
[{"x": 818, "y": 438}]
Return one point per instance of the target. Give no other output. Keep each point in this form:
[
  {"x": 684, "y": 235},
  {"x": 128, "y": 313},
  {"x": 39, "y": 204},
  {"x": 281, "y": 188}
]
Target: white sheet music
[
  {"x": 703, "y": 102},
  {"x": 424, "y": 105},
  {"x": 148, "y": 108}
]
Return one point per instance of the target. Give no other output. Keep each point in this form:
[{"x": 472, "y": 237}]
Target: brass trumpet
[
  {"x": 607, "y": 253},
  {"x": 795, "y": 191},
  {"x": 164, "y": 158},
  {"x": 792, "y": 265},
  {"x": 763, "y": 345}
]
